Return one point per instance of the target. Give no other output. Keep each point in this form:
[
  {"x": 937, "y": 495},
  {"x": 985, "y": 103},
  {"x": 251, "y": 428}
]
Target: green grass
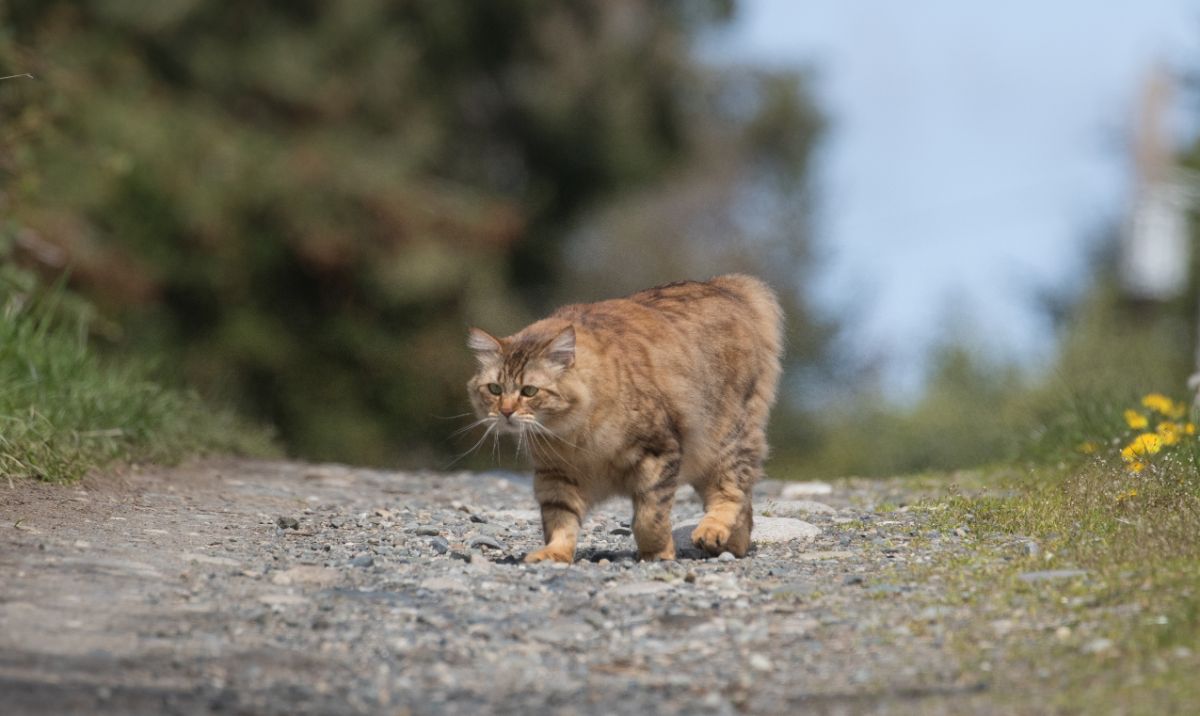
[
  {"x": 1137, "y": 535},
  {"x": 64, "y": 410}
]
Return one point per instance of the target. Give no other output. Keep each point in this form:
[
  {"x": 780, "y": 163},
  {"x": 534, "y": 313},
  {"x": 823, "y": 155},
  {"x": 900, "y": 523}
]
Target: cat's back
[{"x": 733, "y": 307}]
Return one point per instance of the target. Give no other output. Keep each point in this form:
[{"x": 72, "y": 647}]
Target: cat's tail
[{"x": 765, "y": 311}]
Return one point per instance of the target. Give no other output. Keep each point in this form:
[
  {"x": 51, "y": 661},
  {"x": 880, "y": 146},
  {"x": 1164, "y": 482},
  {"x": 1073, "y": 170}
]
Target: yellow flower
[
  {"x": 1164, "y": 405},
  {"x": 1136, "y": 420},
  {"x": 1144, "y": 444},
  {"x": 1169, "y": 432},
  {"x": 1129, "y": 494},
  {"x": 1189, "y": 428},
  {"x": 1159, "y": 402},
  {"x": 1087, "y": 448},
  {"x": 1137, "y": 466}
]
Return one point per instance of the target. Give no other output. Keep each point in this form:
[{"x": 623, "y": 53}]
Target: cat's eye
[
  {"x": 529, "y": 391},
  {"x": 494, "y": 388}
]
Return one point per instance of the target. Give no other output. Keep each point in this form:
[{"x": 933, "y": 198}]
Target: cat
[{"x": 635, "y": 396}]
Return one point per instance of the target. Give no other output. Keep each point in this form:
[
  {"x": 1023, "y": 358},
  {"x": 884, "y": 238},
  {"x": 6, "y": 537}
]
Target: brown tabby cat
[{"x": 634, "y": 395}]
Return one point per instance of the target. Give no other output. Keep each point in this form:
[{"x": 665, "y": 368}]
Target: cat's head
[{"x": 525, "y": 378}]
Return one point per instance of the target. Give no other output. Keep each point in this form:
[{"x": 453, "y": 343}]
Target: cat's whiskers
[
  {"x": 520, "y": 440},
  {"x": 472, "y": 426},
  {"x": 454, "y": 417},
  {"x": 541, "y": 434},
  {"x": 537, "y": 442},
  {"x": 550, "y": 433},
  {"x": 491, "y": 427}
]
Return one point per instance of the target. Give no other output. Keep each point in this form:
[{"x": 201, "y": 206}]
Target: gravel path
[{"x": 263, "y": 588}]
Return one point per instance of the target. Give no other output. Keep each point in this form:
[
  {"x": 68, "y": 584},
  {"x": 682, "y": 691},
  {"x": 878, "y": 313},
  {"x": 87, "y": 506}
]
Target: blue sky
[{"x": 976, "y": 152}]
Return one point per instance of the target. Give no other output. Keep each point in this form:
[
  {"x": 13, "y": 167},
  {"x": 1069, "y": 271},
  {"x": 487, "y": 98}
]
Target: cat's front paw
[{"x": 552, "y": 554}]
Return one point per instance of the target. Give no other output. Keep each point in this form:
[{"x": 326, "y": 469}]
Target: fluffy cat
[{"x": 634, "y": 396}]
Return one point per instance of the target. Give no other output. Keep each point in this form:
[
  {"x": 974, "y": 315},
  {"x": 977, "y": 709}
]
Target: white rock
[
  {"x": 1097, "y": 646},
  {"x": 793, "y": 490},
  {"x": 772, "y": 530},
  {"x": 758, "y": 662},
  {"x": 767, "y": 530},
  {"x": 787, "y": 507}
]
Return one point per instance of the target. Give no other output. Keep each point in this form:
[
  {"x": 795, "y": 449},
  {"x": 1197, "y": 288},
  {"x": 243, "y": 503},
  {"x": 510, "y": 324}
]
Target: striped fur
[{"x": 636, "y": 396}]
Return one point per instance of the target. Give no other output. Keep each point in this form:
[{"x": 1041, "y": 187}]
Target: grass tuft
[
  {"x": 64, "y": 410},
  {"x": 1129, "y": 632}
]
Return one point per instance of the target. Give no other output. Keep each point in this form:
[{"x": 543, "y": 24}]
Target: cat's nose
[{"x": 507, "y": 412}]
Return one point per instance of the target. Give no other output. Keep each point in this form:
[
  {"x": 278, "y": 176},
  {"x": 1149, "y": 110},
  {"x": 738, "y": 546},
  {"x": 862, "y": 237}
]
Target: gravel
[{"x": 286, "y": 588}]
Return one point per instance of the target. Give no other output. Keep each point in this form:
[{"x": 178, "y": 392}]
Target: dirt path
[{"x": 261, "y": 588}]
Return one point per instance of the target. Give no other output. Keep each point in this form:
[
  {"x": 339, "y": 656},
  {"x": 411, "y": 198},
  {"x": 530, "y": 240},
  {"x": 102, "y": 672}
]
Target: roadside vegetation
[
  {"x": 65, "y": 410},
  {"x": 1098, "y": 558}
]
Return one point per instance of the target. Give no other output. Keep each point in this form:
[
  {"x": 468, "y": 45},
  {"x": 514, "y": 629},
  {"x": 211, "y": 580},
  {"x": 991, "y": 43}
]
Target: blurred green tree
[{"x": 304, "y": 203}]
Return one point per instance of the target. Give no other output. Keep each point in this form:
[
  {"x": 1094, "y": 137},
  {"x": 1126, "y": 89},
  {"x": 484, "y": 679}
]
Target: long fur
[{"x": 635, "y": 396}]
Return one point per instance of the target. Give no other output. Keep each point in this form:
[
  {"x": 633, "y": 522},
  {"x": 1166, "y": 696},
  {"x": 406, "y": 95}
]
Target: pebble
[
  {"x": 364, "y": 560},
  {"x": 758, "y": 662},
  {"x": 440, "y": 545},
  {"x": 287, "y": 523},
  {"x": 485, "y": 541},
  {"x": 620, "y": 531},
  {"x": 726, "y": 557},
  {"x": 1051, "y": 574}
]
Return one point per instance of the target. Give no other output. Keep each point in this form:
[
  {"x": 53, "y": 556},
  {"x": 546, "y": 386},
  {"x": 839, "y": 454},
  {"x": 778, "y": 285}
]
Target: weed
[{"x": 64, "y": 410}]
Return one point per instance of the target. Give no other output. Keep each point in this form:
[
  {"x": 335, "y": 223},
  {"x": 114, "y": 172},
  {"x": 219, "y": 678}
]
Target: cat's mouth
[{"x": 512, "y": 424}]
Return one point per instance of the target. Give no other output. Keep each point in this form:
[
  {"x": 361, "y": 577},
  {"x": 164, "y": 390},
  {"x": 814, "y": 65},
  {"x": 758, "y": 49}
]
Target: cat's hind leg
[
  {"x": 728, "y": 512},
  {"x": 563, "y": 506}
]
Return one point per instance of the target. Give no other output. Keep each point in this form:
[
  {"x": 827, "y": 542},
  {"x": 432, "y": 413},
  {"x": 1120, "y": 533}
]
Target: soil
[{"x": 237, "y": 587}]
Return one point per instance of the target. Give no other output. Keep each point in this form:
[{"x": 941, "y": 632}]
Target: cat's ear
[
  {"x": 561, "y": 351},
  {"x": 483, "y": 344}
]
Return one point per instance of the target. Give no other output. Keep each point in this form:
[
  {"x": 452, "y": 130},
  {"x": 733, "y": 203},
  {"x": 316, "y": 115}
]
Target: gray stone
[
  {"x": 824, "y": 555},
  {"x": 1097, "y": 646},
  {"x": 440, "y": 545},
  {"x": 1051, "y": 574},
  {"x": 287, "y": 523},
  {"x": 363, "y": 560},
  {"x": 485, "y": 541}
]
